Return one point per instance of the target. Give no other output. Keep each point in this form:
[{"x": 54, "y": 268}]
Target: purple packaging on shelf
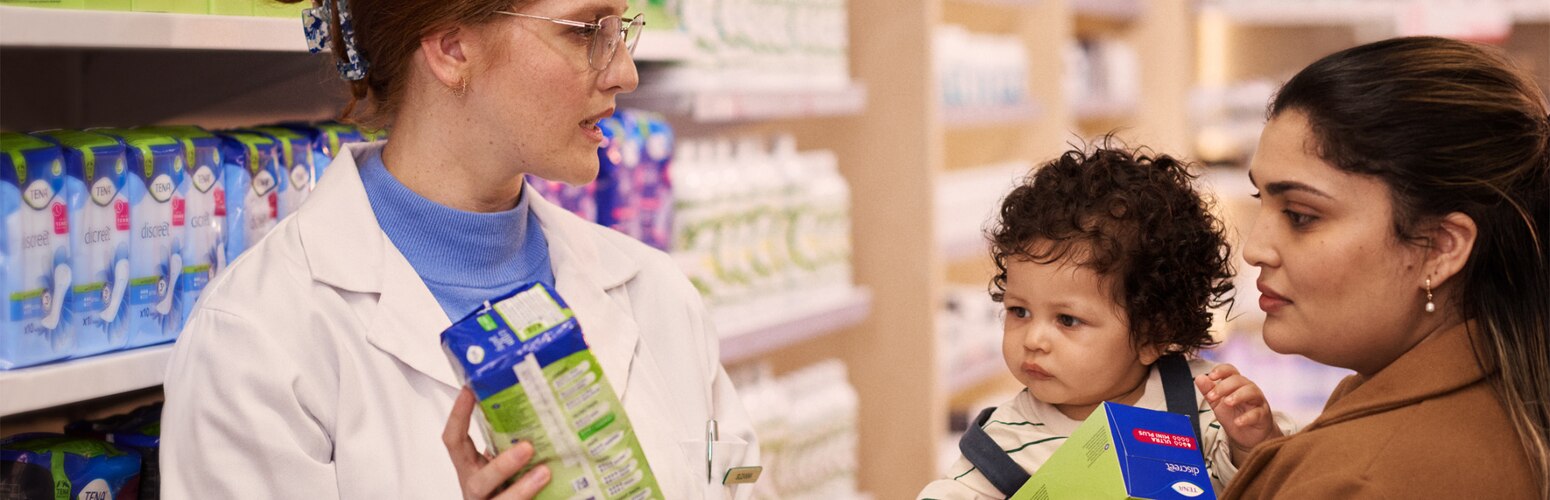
[
  {"x": 616, "y": 193},
  {"x": 654, "y": 210}
]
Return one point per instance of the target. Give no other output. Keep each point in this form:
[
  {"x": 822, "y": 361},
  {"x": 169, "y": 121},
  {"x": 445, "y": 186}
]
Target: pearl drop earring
[{"x": 1430, "y": 307}]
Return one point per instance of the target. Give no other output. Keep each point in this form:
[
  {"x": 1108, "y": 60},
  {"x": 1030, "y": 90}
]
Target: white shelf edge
[
  {"x": 973, "y": 117},
  {"x": 47, "y": 386},
  {"x": 969, "y": 377},
  {"x": 1002, "y": 3},
  {"x": 750, "y": 330},
  {"x": 745, "y": 334},
  {"x": 91, "y": 29},
  {"x": 664, "y": 47},
  {"x": 1123, "y": 10},
  {"x": 741, "y": 105}
]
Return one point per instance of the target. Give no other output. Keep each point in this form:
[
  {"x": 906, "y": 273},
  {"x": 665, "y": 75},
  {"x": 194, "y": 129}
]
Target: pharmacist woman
[
  {"x": 313, "y": 368},
  {"x": 1403, "y": 234}
]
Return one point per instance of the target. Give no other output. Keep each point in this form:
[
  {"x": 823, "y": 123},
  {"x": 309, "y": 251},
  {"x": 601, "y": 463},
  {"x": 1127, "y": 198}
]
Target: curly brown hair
[{"x": 1135, "y": 220}]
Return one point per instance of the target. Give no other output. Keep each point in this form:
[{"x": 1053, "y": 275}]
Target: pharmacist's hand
[
  {"x": 1240, "y": 407},
  {"x": 482, "y": 477}
]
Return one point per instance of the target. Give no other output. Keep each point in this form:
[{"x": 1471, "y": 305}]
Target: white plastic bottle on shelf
[
  {"x": 783, "y": 166},
  {"x": 832, "y": 201},
  {"x": 693, "y": 242},
  {"x": 753, "y": 195},
  {"x": 727, "y": 219}
]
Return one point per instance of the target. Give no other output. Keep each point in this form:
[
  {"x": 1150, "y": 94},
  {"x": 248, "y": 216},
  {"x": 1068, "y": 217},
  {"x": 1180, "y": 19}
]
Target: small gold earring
[
  {"x": 461, "y": 89},
  {"x": 1430, "y": 307}
]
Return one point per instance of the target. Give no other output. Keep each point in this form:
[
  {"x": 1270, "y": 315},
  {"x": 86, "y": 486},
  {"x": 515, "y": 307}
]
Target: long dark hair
[{"x": 1452, "y": 126}]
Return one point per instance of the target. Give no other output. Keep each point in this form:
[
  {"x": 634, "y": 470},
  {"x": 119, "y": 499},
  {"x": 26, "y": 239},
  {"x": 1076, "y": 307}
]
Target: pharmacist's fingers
[
  {"x": 465, "y": 456},
  {"x": 528, "y": 486},
  {"x": 489, "y": 478}
]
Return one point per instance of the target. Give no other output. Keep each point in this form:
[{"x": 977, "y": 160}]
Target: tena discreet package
[
  {"x": 204, "y": 213},
  {"x": 296, "y": 168},
  {"x": 156, "y": 217},
  {"x": 34, "y": 253},
  {"x": 251, "y": 168},
  {"x": 96, "y": 170},
  {"x": 54, "y": 466},
  {"x": 328, "y": 139},
  {"x": 526, "y": 359}
]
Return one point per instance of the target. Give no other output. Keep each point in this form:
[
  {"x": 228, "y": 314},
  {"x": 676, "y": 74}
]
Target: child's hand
[{"x": 1240, "y": 407}]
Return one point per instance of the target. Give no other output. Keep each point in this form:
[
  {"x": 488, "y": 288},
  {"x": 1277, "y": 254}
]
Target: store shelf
[
  {"x": 963, "y": 118},
  {"x": 750, "y": 330},
  {"x": 740, "y": 105},
  {"x": 1002, "y": 3},
  {"x": 747, "y": 332},
  {"x": 969, "y": 377},
  {"x": 966, "y": 202},
  {"x": 664, "y": 47},
  {"x": 1092, "y": 110},
  {"x": 56, "y": 384},
  {"x": 88, "y": 29},
  {"x": 1350, "y": 13},
  {"x": 1118, "y": 10}
]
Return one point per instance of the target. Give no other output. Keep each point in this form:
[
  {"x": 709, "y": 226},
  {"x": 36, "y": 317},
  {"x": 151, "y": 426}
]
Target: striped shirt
[{"x": 1030, "y": 431}]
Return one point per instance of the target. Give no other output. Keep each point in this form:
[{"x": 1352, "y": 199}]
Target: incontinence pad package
[
  {"x": 138, "y": 431},
  {"x": 35, "y": 268},
  {"x": 251, "y": 168},
  {"x": 96, "y": 170},
  {"x": 53, "y": 466},
  {"x": 296, "y": 168},
  {"x": 204, "y": 214},
  {"x": 328, "y": 139},
  {"x": 156, "y": 219},
  {"x": 526, "y": 358}
]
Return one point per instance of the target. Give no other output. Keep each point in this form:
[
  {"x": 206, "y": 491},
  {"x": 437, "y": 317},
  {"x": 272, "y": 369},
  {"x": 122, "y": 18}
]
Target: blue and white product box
[
  {"x": 250, "y": 164},
  {"x": 1124, "y": 452},
  {"x": 156, "y": 164},
  {"x": 204, "y": 214},
  {"x": 34, "y": 253},
  {"x": 96, "y": 170}
]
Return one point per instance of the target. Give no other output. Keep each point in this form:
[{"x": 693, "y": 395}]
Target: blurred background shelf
[{"x": 88, "y": 29}]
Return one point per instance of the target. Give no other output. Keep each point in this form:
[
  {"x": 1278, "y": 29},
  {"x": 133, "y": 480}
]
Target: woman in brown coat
[{"x": 1403, "y": 233}]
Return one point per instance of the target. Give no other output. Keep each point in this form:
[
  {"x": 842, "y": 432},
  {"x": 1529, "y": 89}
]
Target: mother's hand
[{"x": 481, "y": 478}]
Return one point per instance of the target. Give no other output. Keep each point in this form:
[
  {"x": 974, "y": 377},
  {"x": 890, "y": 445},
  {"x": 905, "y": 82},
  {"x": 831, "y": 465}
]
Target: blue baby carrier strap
[{"x": 1004, "y": 473}]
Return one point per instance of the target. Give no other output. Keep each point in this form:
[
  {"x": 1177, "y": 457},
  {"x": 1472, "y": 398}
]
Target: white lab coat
[{"x": 313, "y": 366}]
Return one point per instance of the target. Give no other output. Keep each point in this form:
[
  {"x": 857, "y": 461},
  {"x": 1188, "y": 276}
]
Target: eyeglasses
[{"x": 605, "y": 34}]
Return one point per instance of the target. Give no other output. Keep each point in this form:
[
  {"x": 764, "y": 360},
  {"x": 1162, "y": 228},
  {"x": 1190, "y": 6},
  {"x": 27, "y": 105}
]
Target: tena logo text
[
  {"x": 96, "y": 490},
  {"x": 161, "y": 188},
  {"x": 263, "y": 183},
  {"x": 103, "y": 191},
  {"x": 204, "y": 179},
  {"x": 38, "y": 194},
  {"x": 1188, "y": 489}
]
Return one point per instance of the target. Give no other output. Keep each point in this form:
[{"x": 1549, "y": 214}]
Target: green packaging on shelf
[
  {"x": 661, "y": 15},
  {"x": 1124, "y": 452},
  {"x": 526, "y": 359},
  {"x": 172, "y": 6},
  {"x": 121, "y": 5},
  {"x": 271, "y": 8},
  {"x": 57, "y": 4},
  {"x": 231, "y": 7}
]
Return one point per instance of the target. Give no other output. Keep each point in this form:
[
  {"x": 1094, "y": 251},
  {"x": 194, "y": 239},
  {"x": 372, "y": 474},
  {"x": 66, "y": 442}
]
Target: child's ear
[{"x": 1150, "y": 352}]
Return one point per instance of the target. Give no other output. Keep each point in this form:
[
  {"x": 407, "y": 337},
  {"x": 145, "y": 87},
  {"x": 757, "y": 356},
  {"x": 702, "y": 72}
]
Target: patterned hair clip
[{"x": 315, "y": 21}]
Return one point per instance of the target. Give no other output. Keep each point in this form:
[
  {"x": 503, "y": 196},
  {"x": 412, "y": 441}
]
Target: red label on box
[
  {"x": 121, "y": 215},
  {"x": 220, "y": 202},
  {"x": 177, "y": 212},
  {"x": 1164, "y": 439},
  {"x": 61, "y": 219}
]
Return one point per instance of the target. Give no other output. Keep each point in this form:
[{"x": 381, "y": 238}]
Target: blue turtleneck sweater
[{"x": 465, "y": 258}]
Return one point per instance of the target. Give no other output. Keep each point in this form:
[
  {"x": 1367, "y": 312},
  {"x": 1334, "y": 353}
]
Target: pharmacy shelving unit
[{"x": 55, "y": 57}]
